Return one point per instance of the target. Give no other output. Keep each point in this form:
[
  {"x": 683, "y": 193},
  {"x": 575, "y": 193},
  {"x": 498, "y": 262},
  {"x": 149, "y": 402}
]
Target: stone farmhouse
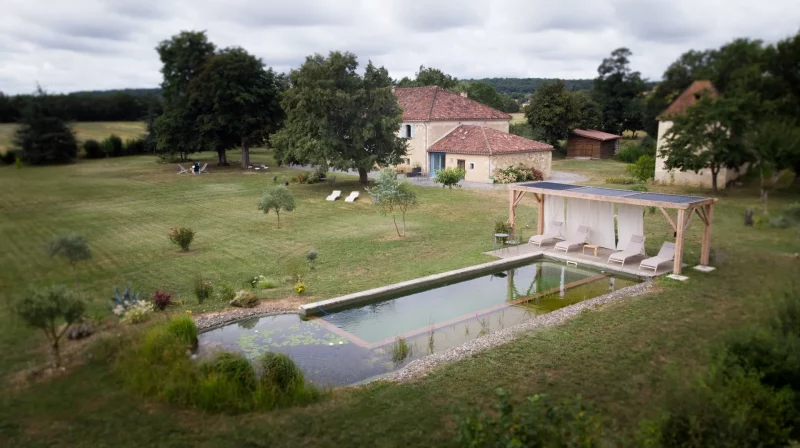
[{"x": 446, "y": 129}]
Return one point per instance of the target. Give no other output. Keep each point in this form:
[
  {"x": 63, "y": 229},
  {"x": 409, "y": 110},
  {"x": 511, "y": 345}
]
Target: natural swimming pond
[{"x": 361, "y": 342}]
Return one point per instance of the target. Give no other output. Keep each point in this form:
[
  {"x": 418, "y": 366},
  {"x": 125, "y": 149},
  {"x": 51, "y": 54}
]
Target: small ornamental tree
[
  {"x": 182, "y": 236},
  {"x": 277, "y": 199},
  {"x": 45, "y": 309},
  {"x": 450, "y": 177},
  {"x": 393, "y": 196},
  {"x": 73, "y": 248}
]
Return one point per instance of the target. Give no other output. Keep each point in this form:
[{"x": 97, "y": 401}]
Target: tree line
[
  {"x": 117, "y": 105},
  {"x": 521, "y": 88}
]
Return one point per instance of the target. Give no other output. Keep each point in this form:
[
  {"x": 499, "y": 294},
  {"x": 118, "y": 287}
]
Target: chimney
[{"x": 465, "y": 94}]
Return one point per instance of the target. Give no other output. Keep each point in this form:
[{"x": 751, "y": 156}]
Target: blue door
[{"x": 437, "y": 162}]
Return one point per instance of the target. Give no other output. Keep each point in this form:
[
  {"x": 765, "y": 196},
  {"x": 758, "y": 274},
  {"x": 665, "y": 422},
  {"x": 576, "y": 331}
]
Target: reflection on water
[{"x": 429, "y": 321}]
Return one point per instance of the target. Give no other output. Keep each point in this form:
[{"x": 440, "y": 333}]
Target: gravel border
[
  {"x": 212, "y": 321},
  {"x": 422, "y": 366}
]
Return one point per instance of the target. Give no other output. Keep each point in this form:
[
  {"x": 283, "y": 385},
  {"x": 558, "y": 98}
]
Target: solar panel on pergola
[{"x": 686, "y": 206}]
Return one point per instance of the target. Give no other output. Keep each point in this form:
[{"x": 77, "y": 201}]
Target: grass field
[
  {"x": 518, "y": 117},
  {"x": 83, "y": 131},
  {"x": 620, "y": 358}
]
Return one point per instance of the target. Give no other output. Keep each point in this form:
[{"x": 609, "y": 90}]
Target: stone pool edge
[
  {"x": 219, "y": 320},
  {"x": 422, "y": 366},
  {"x": 370, "y": 295}
]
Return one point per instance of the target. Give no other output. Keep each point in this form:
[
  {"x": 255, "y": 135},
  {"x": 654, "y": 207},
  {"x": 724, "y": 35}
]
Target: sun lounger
[
  {"x": 183, "y": 170},
  {"x": 552, "y": 234},
  {"x": 581, "y": 237},
  {"x": 203, "y": 169},
  {"x": 334, "y": 196},
  {"x": 635, "y": 247},
  {"x": 352, "y": 198},
  {"x": 667, "y": 253}
]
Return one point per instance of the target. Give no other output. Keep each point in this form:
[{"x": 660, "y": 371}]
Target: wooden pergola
[{"x": 686, "y": 206}]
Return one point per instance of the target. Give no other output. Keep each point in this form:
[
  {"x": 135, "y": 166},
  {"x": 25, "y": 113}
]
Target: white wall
[{"x": 690, "y": 178}]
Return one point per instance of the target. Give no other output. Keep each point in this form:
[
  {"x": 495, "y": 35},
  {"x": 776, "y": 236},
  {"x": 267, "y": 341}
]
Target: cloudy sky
[{"x": 104, "y": 44}]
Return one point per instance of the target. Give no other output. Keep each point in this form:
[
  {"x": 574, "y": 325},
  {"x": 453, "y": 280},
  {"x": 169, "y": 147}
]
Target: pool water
[{"x": 356, "y": 344}]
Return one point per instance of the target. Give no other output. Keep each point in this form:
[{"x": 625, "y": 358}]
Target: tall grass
[
  {"x": 400, "y": 350},
  {"x": 158, "y": 364}
]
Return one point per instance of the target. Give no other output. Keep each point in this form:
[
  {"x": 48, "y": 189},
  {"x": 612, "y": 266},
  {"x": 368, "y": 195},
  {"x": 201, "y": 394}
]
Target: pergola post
[
  {"x": 512, "y": 208},
  {"x": 540, "y": 214},
  {"x": 705, "y": 251},
  {"x": 681, "y": 226}
]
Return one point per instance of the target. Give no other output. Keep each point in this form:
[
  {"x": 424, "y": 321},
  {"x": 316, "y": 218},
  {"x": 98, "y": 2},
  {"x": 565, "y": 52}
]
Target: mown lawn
[
  {"x": 83, "y": 131},
  {"x": 620, "y": 358}
]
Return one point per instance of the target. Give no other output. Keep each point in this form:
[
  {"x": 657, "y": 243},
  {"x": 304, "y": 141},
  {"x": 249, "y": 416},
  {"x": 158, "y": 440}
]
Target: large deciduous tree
[
  {"x": 183, "y": 58},
  {"x": 709, "y": 135},
  {"x": 339, "y": 119},
  {"x": 429, "y": 76},
  {"x": 553, "y": 112},
  {"x": 43, "y": 137},
  {"x": 618, "y": 90},
  {"x": 237, "y": 101}
]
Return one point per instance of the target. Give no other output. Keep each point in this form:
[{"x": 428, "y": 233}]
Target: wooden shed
[{"x": 592, "y": 144}]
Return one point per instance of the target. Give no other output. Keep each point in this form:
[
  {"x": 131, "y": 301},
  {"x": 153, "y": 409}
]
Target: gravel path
[{"x": 420, "y": 367}]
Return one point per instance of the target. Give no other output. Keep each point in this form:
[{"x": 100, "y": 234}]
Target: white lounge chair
[
  {"x": 334, "y": 196},
  {"x": 553, "y": 233},
  {"x": 635, "y": 247},
  {"x": 581, "y": 237},
  {"x": 352, "y": 198},
  {"x": 183, "y": 170},
  {"x": 665, "y": 254},
  {"x": 203, "y": 169}
]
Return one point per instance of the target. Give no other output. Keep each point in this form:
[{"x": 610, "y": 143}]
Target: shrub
[
  {"x": 10, "y": 156},
  {"x": 134, "y": 146},
  {"x": 643, "y": 169},
  {"x": 792, "y": 212},
  {"x": 277, "y": 369},
  {"x": 157, "y": 364},
  {"x": 311, "y": 257},
  {"x": 300, "y": 288},
  {"x": 138, "y": 312},
  {"x": 225, "y": 291},
  {"x": 45, "y": 308},
  {"x": 261, "y": 282},
  {"x": 630, "y": 151},
  {"x": 620, "y": 180},
  {"x": 517, "y": 173},
  {"x": 120, "y": 303},
  {"x": 779, "y": 222},
  {"x": 202, "y": 289},
  {"x": 450, "y": 177},
  {"x": 161, "y": 300},
  {"x": 93, "y": 150},
  {"x": 639, "y": 187},
  {"x": 245, "y": 299},
  {"x": 501, "y": 226},
  {"x": 538, "y": 422},
  {"x": 181, "y": 236},
  {"x": 112, "y": 146},
  {"x": 183, "y": 328}
]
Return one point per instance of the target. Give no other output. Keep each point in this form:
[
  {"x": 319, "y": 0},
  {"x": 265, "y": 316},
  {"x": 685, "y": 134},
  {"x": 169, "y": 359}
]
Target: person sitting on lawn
[{"x": 196, "y": 167}]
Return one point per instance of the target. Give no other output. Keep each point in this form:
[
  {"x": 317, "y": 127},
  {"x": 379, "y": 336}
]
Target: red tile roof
[
  {"x": 688, "y": 97},
  {"x": 436, "y": 104},
  {"x": 596, "y": 135},
  {"x": 472, "y": 139}
]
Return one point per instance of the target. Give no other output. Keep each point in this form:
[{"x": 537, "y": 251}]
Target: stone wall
[{"x": 541, "y": 160}]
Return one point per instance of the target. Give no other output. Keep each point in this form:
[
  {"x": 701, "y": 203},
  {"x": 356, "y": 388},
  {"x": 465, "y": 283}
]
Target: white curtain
[
  {"x": 630, "y": 221},
  {"x": 597, "y": 215},
  {"x": 553, "y": 211}
]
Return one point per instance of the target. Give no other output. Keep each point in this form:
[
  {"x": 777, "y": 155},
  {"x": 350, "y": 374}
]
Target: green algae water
[{"x": 355, "y": 344}]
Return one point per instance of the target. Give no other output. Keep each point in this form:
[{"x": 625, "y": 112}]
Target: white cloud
[{"x": 103, "y": 44}]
